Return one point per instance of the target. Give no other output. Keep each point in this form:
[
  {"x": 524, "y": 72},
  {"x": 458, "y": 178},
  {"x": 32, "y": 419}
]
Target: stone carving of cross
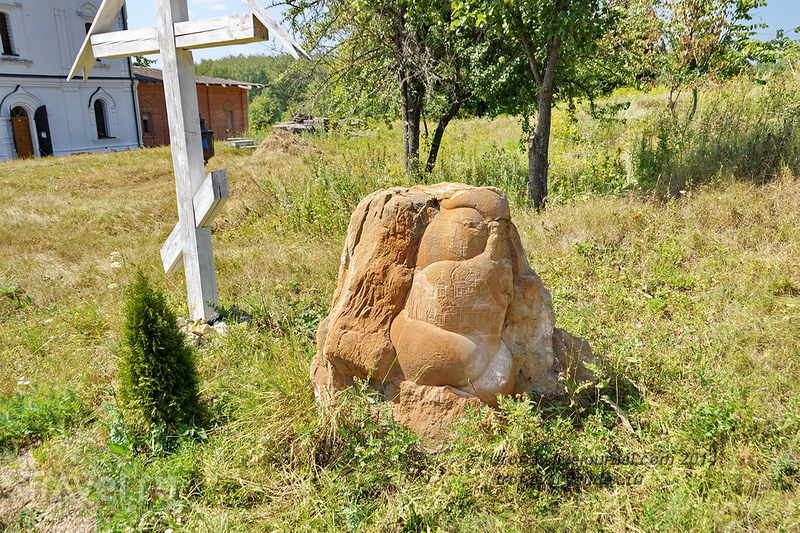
[{"x": 199, "y": 198}]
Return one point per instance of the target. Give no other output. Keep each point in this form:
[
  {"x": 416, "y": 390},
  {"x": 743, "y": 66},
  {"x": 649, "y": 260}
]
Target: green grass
[
  {"x": 27, "y": 419},
  {"x": 692, "y": 304}
]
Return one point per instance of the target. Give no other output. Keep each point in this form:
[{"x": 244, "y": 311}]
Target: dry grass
[
  {"x": 692, "y": 304},
  {"x": 282, "y": 143}
]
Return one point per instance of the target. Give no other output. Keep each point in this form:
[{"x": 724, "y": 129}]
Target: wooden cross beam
[
  {"x": 207, "y": 202},
  {"x": 199, "y": 200},
  {"x": 189, "y": 35},
  {"x": 109, "y": 9}
]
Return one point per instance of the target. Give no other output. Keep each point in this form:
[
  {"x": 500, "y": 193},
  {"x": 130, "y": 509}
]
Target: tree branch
[{"x": 529, "y": 50}]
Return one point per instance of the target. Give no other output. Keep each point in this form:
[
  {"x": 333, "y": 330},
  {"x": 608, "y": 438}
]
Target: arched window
[
  {"x": 147, "y": 124},
  {"x": 103, "y": 113},
  {"x": 87, "y": 11},
  {"x": 101, "y": 119},
  {"x": 5, "y": 35}
]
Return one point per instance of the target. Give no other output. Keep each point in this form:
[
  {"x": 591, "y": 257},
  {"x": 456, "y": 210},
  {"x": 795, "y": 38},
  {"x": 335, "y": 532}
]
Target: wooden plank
[
  {"x": 172, "y": 251},
  {"x": 187, "y": 158},
  {"x": 126, "y": 43},
  {"x": 208, "y": 202},
  {"x": 282, "y": 35},
  {"x": 102, "y": 23},
  {"x": 189, "y": 35},
  {"x": 214, "y": 195},
  {"x": 219, "y": 31}
]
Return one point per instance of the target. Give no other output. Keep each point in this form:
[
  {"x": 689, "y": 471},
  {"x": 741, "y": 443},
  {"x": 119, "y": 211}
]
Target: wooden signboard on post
[{"x": 199, "y": 198}]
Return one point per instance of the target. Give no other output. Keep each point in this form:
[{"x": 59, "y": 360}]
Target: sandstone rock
[
  {"x": 436, "y": 304},
  {"x": 201, "y": 329},
  {"x": 571, "y": 353},
  {"x": 431, "y": 412}
]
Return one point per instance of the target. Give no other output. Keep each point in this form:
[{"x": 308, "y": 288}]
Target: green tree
[
  {"x": 264, "y": 111},
  {"x": 406, "y": 50},
  {"x": 704, "y": 42},
  {"x": 552, "y": 48},
  {"x": 256, "y": 69},
  {"x": 286, "y": 81},
  {"x": 158, "y": 381},
  {"x": 142, "y": 61}
]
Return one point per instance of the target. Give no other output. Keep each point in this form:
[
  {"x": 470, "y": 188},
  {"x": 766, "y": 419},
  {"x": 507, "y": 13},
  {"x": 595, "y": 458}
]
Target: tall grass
[
  {"x": 746, "y": 131},
  {"x": 691, "y": 302}
]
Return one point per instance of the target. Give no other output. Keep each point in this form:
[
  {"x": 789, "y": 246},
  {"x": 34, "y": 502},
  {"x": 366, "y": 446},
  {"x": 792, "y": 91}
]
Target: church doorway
[{"x": 21, "y": 126}]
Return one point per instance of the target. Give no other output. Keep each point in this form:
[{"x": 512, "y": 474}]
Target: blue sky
[
  {"x": 778, "y": 14},
  {"x": 141, "y": 13}
]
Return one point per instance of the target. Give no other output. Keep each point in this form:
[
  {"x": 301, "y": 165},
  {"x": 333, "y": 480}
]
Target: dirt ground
[{"x": 24, "y": 505}]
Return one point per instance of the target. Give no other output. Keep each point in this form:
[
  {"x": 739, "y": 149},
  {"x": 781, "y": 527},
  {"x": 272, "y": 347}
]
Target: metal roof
[{"x": 154, "y": 75}]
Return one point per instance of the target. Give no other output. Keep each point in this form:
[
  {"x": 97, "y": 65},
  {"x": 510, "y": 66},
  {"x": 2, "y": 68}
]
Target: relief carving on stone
[{"x": 437, "y": 306}]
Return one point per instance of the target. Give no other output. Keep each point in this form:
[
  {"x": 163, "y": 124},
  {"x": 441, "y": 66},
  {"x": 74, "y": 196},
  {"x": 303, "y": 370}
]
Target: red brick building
[{"x": 223, "y": 103}]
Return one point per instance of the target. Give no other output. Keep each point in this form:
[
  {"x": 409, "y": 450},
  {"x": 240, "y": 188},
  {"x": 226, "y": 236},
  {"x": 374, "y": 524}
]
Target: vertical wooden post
[
  {"x": 187, "y": 158},
  {"x": 174, "y": 36}
]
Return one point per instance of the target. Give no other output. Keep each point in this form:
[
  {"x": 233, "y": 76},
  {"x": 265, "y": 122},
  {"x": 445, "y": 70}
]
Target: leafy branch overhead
[{"x": 404, "y": 51}]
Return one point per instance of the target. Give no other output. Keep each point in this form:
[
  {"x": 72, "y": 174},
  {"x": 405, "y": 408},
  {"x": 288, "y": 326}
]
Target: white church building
[{"x": 40, "y": 112}]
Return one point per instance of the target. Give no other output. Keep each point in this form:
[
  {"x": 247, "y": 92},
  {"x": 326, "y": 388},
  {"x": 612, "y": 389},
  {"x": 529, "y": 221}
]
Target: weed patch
[
  {"x": 691, "y": 305},
  {"x": 29, "y": 418}
]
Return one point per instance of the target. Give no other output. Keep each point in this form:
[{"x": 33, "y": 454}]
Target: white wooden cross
[{"x": 199, "y": 198}]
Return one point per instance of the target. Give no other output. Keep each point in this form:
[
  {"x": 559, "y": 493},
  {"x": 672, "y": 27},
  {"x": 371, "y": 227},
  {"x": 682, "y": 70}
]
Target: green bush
[
  {"x": 744, "y": 131},
  {"x": 25, "y": 419},
  {"x": 264, "y": 111},
  {"x": 597, "y": 174},
  {"x": 158, "y": 376},
  {"x": 135, "y": 493}
]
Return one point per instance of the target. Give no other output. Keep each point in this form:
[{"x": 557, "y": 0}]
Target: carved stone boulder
[{"x": 437, "y": 306}]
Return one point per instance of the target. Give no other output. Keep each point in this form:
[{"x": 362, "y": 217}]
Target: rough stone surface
[
  {"x": 436, "y": 305},
  {"x": 571, "y": 353},
  {"x": 431, "y": 412}
]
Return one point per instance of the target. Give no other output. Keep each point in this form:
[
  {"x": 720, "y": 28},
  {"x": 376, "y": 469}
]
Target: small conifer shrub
[{"x": 158, "y": 375}]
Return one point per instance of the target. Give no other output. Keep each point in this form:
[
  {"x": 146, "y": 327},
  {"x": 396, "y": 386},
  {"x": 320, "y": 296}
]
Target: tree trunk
[
  {"x": 412, "y": 93},
  {"x": 693, "y": 110},
  {"x": 538, "y": 151},
  {"x": 444, "y": 120},
  {"x": 539, "y": 141}
]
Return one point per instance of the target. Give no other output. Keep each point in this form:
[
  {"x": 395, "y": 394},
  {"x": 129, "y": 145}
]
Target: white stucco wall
[{"x": 46, "y": 36}]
